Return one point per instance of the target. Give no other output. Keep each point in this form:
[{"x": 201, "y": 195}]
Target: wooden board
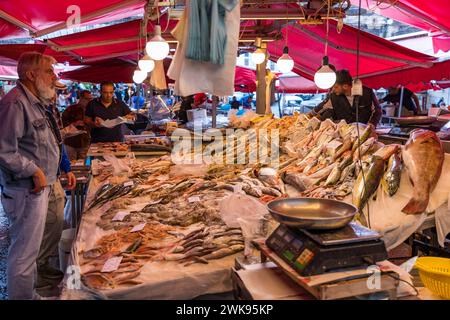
[{"x": 333, "y": 290}]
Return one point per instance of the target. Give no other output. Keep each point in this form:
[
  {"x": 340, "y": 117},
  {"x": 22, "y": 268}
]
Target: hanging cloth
[{"x": 207, "y": 36}]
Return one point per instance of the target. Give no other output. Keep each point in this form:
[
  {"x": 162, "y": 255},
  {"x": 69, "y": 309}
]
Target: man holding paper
[{"x": 104, "y": 111}]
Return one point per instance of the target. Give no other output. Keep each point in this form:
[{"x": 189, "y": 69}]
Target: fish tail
[{"x": 416, "y": 205}]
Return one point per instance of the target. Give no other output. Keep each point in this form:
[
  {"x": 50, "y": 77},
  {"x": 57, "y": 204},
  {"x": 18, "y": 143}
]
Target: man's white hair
[{"x": 29, "y": 61}]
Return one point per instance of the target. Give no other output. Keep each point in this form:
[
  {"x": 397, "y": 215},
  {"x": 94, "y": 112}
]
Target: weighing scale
[
  {"x": 312, "y": 252},
  {"x": 404, "y": 131}
]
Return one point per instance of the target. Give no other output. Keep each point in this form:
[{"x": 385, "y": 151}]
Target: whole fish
[
  {"x": 423, "y": 157},
  {"x": 365, "y": 187},
  {"x": 364, "y": 148},
  {"x": 310, "y": 166},
  {"x": 334, "y": 176},
  {"x": 387, "y": 151},
  {"x": 297, "y": 180},
  {"x": 346, "y": 159},
  {"x": 349, "y": 170},
  {"x": 346, "y": 145},
  {"x": 364, "y": 136},
  {"x": 391, "y": 178}
]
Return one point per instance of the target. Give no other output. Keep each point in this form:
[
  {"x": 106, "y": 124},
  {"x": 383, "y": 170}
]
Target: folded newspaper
[{"x": 115, "y": 122}]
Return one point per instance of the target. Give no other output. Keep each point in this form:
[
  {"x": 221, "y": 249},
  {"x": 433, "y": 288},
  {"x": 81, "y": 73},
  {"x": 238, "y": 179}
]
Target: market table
[{"x": 159, "y": 278}]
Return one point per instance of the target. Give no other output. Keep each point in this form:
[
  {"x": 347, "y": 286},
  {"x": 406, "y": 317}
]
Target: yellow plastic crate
[{"x": 435, "y": 275}]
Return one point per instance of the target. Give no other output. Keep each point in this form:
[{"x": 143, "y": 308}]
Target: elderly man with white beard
[{"x": 29, "y": 159}]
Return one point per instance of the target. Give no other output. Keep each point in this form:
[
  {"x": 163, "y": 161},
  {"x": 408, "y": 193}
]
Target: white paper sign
[
  {"x": 194, "y": 199},
  {"x": 139, "y": 227},
  {"x": 128, "y": 184},
  {"x": 120, "y": 216},
  {"x": 112, "y": 264}
]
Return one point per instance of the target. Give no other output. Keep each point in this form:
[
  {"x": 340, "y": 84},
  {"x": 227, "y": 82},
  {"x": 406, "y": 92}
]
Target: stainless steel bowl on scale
[{"x": 311, "y": 213}]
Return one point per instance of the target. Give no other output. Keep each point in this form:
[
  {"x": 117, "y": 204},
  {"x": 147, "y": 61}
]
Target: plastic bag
[
  {"x": 248, "y": 213},
  {"x": 405, "y": 287},
  {"x": 118, "y": 165},
  {"x": 242, "y": 121}
]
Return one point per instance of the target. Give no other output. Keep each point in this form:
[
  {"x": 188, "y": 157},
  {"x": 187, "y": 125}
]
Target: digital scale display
[{"x": 312, "y": 252}]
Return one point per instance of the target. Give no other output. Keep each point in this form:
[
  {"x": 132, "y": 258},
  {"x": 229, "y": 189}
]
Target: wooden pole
[
  {"x": 215, "y": 102},
  {"x": 261, "y": 79}
]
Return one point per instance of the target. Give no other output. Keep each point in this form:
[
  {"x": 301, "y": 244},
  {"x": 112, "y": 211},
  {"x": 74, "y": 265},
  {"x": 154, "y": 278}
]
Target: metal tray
[
  {"x": 415, "y": 120},
  {"x": 310, "y": 213}
]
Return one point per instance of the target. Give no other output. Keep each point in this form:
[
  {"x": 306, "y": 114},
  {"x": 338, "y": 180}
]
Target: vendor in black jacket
[{"x": 341, "y": 105}]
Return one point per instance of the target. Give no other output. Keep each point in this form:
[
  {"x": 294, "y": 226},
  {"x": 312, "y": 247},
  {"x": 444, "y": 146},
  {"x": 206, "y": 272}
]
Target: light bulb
[
  {"x": 285, "y": 63},
  {"x": 146, "y": 64},
  {"x": 157, "y": 48},
  {"x": 325, "y": 77},
  {"x": 139, "y": 76},
  {"x": 258, "y": 56}
]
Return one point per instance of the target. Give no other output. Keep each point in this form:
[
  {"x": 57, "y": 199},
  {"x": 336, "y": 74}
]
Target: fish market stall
[{"x": 151, "y": 225}]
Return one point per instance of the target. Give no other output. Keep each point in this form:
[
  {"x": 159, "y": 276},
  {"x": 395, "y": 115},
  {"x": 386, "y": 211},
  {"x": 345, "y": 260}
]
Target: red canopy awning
[
  {"x": 8, "y": 72},
  {"x": 298, "y": 85},
  {"x": 110, "y": 70},
  {"x": 244, "y": 80},
  {"x": 439, "y": 71},
  {"x": 431, "y": 16},
  {"x": 377, "y": 55},
  {"x": 10, "y": 53},
  {"x": 40, "y": 15},
  {"x": 112, "y": 41}
]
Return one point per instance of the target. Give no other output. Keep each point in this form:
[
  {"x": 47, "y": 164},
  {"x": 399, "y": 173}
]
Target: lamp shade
[{"x": 157, "y": 48}]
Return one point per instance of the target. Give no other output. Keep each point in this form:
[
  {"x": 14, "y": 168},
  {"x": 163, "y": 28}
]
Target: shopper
[
  {"x": 341, "y": 104},
  {"x": 235, "y": 104},
  {"x": 106, "y": 108},
  {"x": 77, "y": 146},
  {"x": 48, "y": 274},
  {"x": 29, "y": 160}
]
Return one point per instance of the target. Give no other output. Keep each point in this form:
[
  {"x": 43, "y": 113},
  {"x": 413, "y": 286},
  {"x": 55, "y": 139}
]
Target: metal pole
[
  {"x": 215, "y": 102},
  {"x": 401, "y": 102}
]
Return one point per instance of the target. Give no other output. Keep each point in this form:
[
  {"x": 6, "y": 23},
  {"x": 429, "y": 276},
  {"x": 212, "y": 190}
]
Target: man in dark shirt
[
  {"x": 410, "y": 100},
  {"x": 106, "y": 108},
  {"x": 340, "y": 104}
]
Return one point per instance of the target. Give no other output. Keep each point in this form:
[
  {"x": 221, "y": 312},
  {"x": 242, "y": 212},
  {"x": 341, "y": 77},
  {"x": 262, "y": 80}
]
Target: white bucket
[
  {"x": 390, "y": 111},
  {"x": 65, "y": 246}
]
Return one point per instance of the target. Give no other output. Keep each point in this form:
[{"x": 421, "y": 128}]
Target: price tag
[
  {"x": 139, "y": 227},
  {"x": 112, "y": 264},
  {"x": 247, "y": 170},
  {"x": 128, "y": 184},
  {"x": 194, "y": 199},
  {"x": 120, "y": 216},
  {"x": 162, "y": 178}
]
